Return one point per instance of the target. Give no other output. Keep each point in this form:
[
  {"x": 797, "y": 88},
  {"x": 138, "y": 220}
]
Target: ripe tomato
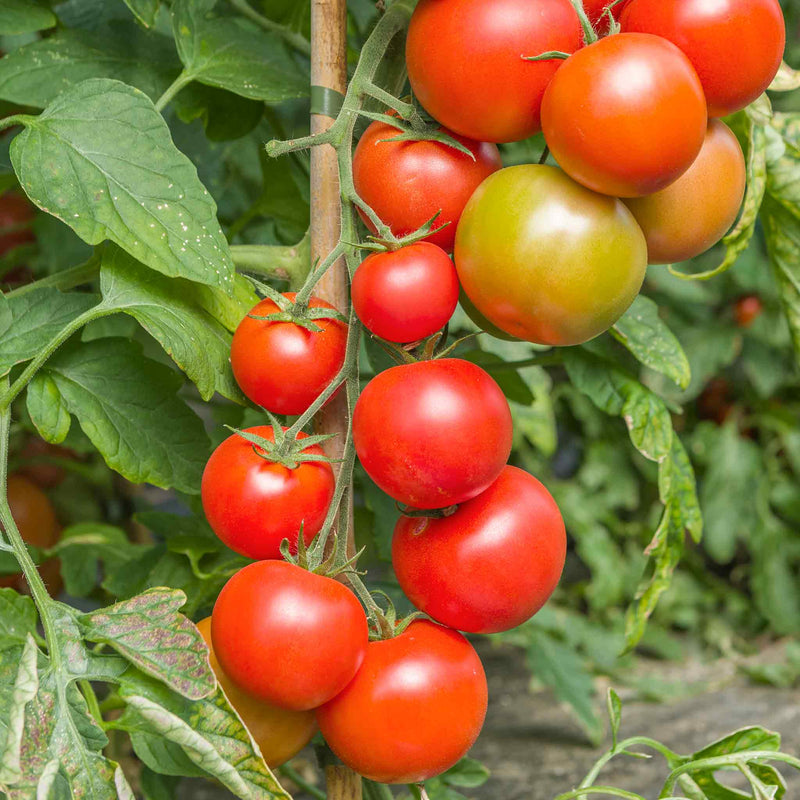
[
  {"x": 546, "y": 259},
  {"x": 284, "y": 367},
  {"x": 16, "y": 214},
  {"x": 279, "y": 733},
  {"x": 625, "y": 116},
  {"x": 434, "y": 433},
  {"x": 736, "y": 46},
  {"x": 36, "y": 466},
  {"x": 466, "y": 66},
  {"x": 288, "y": 636},
  {"x": 595, "y": 10},
  {"x": 406, "y": 295},
  {"x": 747, "y": 309},
  {"x": 696, "y": 211},
  {"x": 406, "y": 183},
  {"x": 253, "y": 504},
  {"x": 36, "y": 521},
  {"x": 414, "y": 708},
  {"x": 489, "y": 566}
]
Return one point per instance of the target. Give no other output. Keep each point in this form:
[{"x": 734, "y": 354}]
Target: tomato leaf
[
  {"x": 651, "y": 342},
  {"x": 467, "y": 773},
  {"x": 786, "y": 80},
  {"x": 128, "y": 406},
  {"x": 101, "y": 159},
  {"x": 17, "y": 619},
  {"x": 144, "y": 10},
  {"x": 47, "y": 409},
  {"x": 24, "y": 16}
]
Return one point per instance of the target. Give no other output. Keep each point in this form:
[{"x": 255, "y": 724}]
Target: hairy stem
[
  {"x": 184, "y": 79},
  {"x": 66, "y": 279},
  {"x": 292, "y": 38}
]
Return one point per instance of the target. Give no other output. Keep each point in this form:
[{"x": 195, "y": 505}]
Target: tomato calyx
[
  {"x": 430, "y": 513},
  {"x": 428, "y": 349},
  {"x": 286, "y": 450},
  {"x": 298, "y": 312},
  {"x": 385, "y": 624}
]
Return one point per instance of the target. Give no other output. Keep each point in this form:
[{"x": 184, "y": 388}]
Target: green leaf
[
  {"x": 150, "y": 633},
  {"x": 37, "y": 317},
  {"x": 226, "y": 53},
  {"x": 227, "y": 309},
  {"x": 128, "y": 406},
  {"x": 468, "y": 773},
  {"x": 34, "y": 75},
  {"x": 47, "y": 410},
  {"x": 101, "y": 159},
  {"x": 17, "y": 618},
  {"x": 786, "y": 80},
  {"x": 751, "y": 738},
  {"x": 614, "y": 714},
  {"x": 648, "y": 338},
  {"x": 24, "y": 16},
  {"x": 166, "y": 309},
  {"x": 144, "y": 10},
  {"x": 225, "y": 115},
  {"x": 774, "y": 578}
]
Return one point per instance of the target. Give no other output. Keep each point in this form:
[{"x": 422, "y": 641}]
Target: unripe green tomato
[{"x": 547, "y": 260}]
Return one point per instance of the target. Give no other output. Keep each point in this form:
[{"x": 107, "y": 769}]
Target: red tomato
[
  {"x": 595, "y": 10},
  {"x": 747, "y": 309},
  {"x": 489, "y": 566},
  {"x": 284, "y": 367},
  {"x": 696, "y": 211},
  {"x": 625, "y": 116},
  {"x": 253, "y": 504},
  {"x": 406, "y": 183},
  {"x": 406, "y": 295},
  {"x": 736, "y": 46},
  {"x": 279, "y": 733},
  {"x": 44, "y": 474},
  {"x": 16, "y": 214},
  {"x": 288, "y": 636},
  {"x": 434, "y": 433},
  {"x": 415, "y": 707},
  {"x": 466, "y": 66}
]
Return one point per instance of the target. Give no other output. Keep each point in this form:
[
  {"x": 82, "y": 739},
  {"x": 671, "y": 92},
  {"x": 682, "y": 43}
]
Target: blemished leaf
[
  {"x": 166, "y": 309},
  {"x": 750, "y": 738},
  {"x": 786, "y": 80},
  {"x": 37, "y": 317},
  {"x": 128, "y": 406},
  {"x": 47, "y": 410},
  {"x": 225, "y": 53},
  {"x": 101, "y": 159},
  {"x": 652, "y": 343},
  {"x": 149, "y": 632},
  {"x": 24, "y": 16},
  {"x": 17, "y": 618},
  {"x": 205, "y": 733},
  {"x": 34, "y": 75},
  {"x": 144, "y": 10}
]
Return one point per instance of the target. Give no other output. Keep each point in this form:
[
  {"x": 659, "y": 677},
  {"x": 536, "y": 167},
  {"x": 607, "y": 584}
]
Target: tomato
[
  {"x": 625, "y": 116},
  {"x": 38, "y": 526},
  {"x": 406, "y": 183},
  {"x": 282, "y": 366},
  {"x": 16, "y": 214},
  {"x": 735, "y": 46},
  {"x": 434, "y": 433},
  {"x": 466, "y": 66},
  {"x": 253, "y": 504},
  {"x": 489, "y": 566},
  {"x": 406, "y": 295},
  {"x": 279, "y": 733},
  {"x": 546, "y": 259},
  {"x": 414, "y": 708},
  {"x": 288, "y": 636},
  {"x": 595, "y": 10},
  {"x": 747, "y": 310},
  {"x": 35, "y": 454},
  {"x": 696, "y": 211}
]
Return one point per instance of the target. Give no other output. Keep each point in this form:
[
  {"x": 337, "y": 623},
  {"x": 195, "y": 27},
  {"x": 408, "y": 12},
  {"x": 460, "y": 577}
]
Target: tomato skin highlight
[
  {"x": 696, "y": 211},
  {"x": 625, "y": 116},
  {"x": 282, "y": 366},
  {"x": 489, "y": 566},
  {"x": 407, "y": 294},
  {"x": 287, "y": 636},
  {"x": 736, "y": 46},
  {"x": 547, "y": 260},
  {"x": 279, "y": 733},
  {"x": 253, "y": 504},
  {"x": 407, "y": 182},
  {"x": 434, "y": 433},
  {"x": 466, "y": 66},
  {"x": 414, "y": 708}
]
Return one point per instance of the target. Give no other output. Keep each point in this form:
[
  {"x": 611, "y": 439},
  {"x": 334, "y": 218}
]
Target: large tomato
[
  {"x": 407, "y": 182},
  {"x": 466, "y": 62},
  {"x": 489, "y": 566},
  {"x": 16, "y": 214},
  {"x": 279, "y": 733},
  {"x": 434, "y": 433},
  {"x": 253, "y": 504},
  {"x": 288, "y": 636},
  {"x": 406, "y": 295},
  {"x": 625, "y": 116},
  {"x": 414, "y": 708},
  {"x": 736, "y": 46},
  {"x": 546, "y": 259},
  {"x": 696, "y": 211},
  {"x": 38, "y": 526},
  {"x": 283, "y": 366}
]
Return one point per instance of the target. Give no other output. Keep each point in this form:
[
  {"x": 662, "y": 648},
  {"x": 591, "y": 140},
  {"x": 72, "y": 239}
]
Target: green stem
[
  {"x": 290, "y": 263},
  {"x": 619, "y": 749},
  {"x": 66, "y": 279},
  {"x": 294, "y": 776},
  {"x": 182, "y": 80},
  {"x": 292, "y": 38},
  {"x": 589, "y": 34},
  {"x": 609, "y": 791},
  {"x": 111, "y": 703},
  {"x": 15, "y": 119},
  {"x": 91, "y": 701}
]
